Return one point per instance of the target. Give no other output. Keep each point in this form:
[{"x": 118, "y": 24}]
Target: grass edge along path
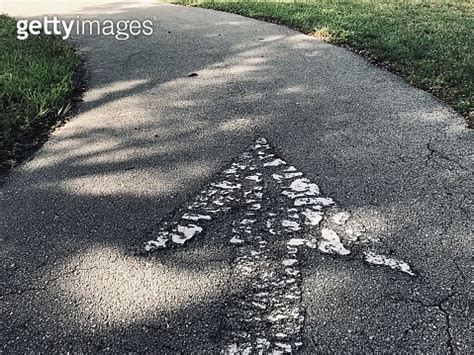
[
  {"x": 428, "y": 43},
  {"x": 39, "y": 80}
]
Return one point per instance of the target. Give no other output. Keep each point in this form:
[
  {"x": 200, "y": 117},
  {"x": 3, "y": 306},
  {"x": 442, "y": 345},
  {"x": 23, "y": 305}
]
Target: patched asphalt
[{"x": 149, "y": 138}]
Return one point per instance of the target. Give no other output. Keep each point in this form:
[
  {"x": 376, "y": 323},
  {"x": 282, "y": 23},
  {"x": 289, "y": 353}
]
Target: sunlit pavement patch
[{"x": 277, "y": 213}]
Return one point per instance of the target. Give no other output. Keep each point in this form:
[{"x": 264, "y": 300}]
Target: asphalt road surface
[{"x": 288, "y": 197}]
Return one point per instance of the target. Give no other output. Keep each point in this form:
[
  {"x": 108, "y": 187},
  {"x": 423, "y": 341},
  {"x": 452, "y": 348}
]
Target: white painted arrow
[{"x": 279, "y": 211}]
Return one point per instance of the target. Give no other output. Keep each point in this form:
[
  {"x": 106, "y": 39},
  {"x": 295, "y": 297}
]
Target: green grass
[
  {"x": 36, "y": 83},
  {"x": 429, "y": 43}
]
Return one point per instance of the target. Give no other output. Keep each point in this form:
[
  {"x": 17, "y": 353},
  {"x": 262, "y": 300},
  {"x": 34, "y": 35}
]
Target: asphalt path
[{"x": 95, "y": 256}]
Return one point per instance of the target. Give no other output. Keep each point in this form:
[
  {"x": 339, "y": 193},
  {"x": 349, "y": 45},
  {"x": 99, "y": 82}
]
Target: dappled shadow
[{"x": 148, "y": 136}]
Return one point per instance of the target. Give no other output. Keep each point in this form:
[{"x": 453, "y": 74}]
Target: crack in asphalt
[
  {"x": 438, "y": 306},
  {"x": 461, "y": 273},
  {"x": 448, "y": 328},
  {"x": 435, "y": 153}
]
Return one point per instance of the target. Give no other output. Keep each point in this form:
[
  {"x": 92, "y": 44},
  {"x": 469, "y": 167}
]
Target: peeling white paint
[
  {"x": 311, "y": 244},
  {"x": 292, "y": 194},
  {"x": 292, "y": 272},
  {"x": 325, "y": 201},
  {"x": 236, "y": 240},
  {"x": 395, "y": 264},
  {"x": 234, "y": 349},
  {"x": 289, "y": 262},
  {"x": 230, "y": 171},
  {"x": 188, "y": 231},
  {"x": 259, "y": 305},
  {"x": 292, "y": 175},
  {"x": 331, "y": 243},
  {"x": 294, "y": 226},
  {"x": 218, "y": 202},
  {"x": 160, "y": 242},
  {"x": 227, "y": 185},
  {"x": 341, "y": 218},
  {"x": 178, "y": 239},
  {"x": 285, "y": 347},
  {"x": 297, "y": 241},
  {"x": 275, "y": 162},
  {"x": 266, "y": 156},
  {"x": 303, "y": 185},
  {"x": 286, "y": 176},
  {"x": 196, "y": 217},
  {"x": 277, "y": 177},
  {"x": 240, "y": 166},
  {"x": 256, "y": 177},
  {"x": 313, "y": 217},
  {"x": 302, "y": 201},
  {"x": 354, "y": 231}
]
